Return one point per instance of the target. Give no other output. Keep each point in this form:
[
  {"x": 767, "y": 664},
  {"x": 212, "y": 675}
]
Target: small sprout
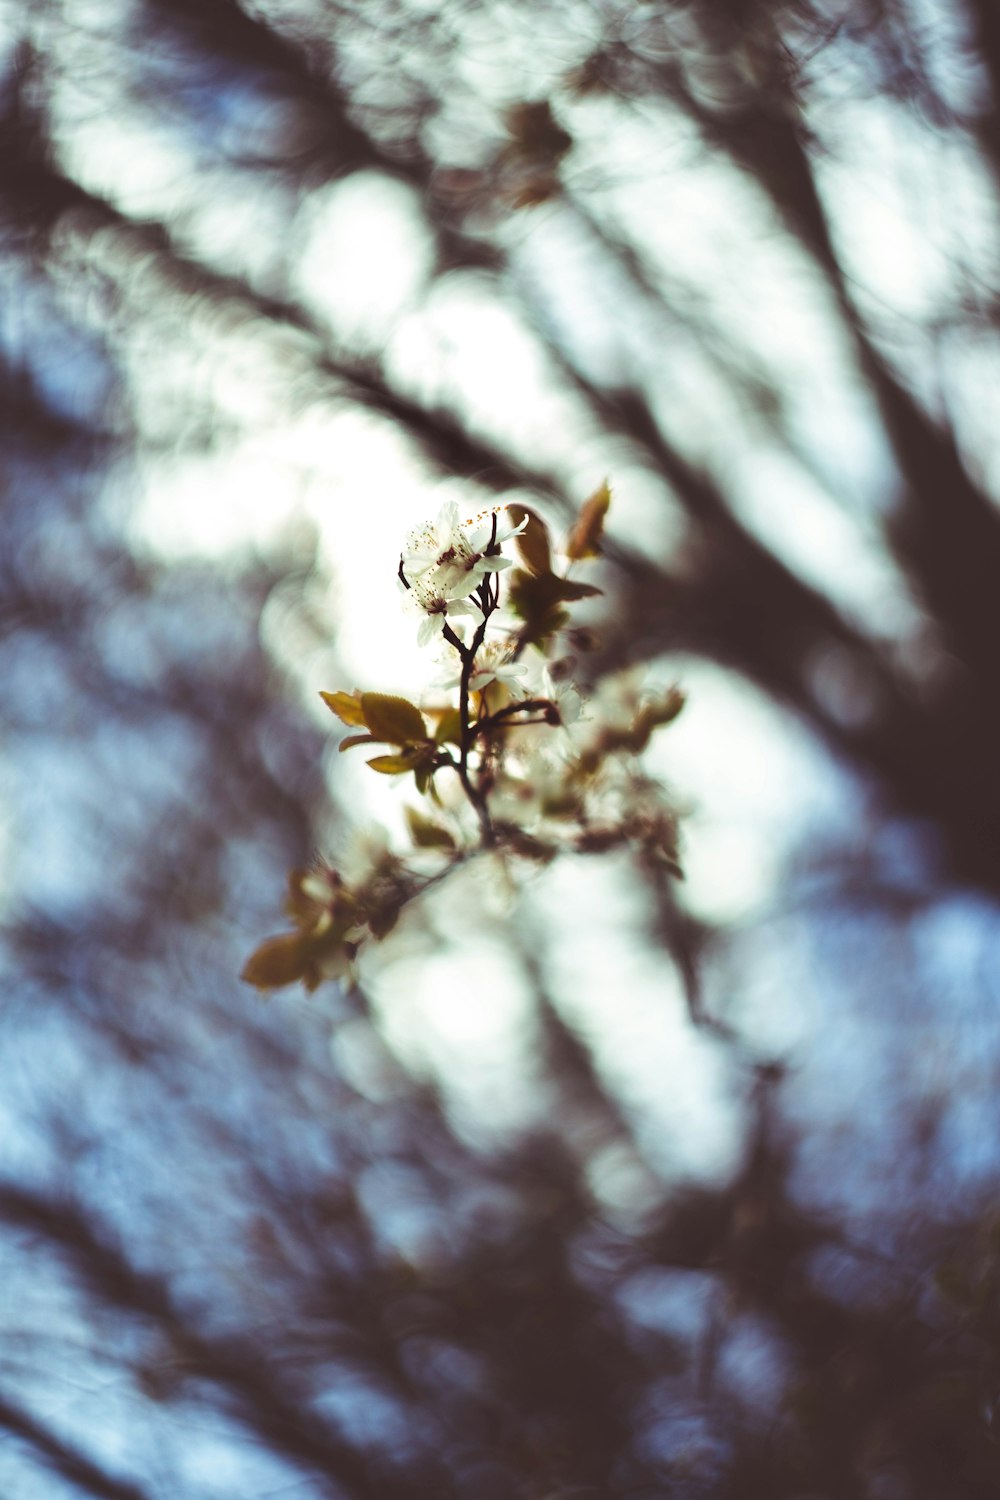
[
  {"x": 668, "y": 707},
  {"x": 585, "y": 538},
  {"x": 278, "y": 961}
]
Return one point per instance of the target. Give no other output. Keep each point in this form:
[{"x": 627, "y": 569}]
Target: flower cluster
[
  {"x": 445, "y": 562},
  {"x": 511, "y": 755}
]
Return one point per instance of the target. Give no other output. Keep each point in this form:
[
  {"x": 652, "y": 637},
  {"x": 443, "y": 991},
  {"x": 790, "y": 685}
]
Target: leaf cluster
[
  {"x": 390, "y": 720},
  {"x": 332, "y": 919}
]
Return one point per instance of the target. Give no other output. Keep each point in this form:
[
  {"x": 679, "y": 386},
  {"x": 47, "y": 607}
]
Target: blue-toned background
[{"x": 606, "y": 1189}]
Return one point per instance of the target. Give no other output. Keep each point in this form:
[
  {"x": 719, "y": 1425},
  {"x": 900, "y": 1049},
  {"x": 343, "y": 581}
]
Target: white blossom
[
  {"x": 494, "y": 663},
  {"x": 435, "y": 610},
  {"x": 541, "y": 682},
  {"x": 446, "y": 559},
  {"x": 507, "y": 672},
  {"x": 481, "y": 533},
  {"x": 530, "y": 778},
  {"x": 426, "y": 545}
]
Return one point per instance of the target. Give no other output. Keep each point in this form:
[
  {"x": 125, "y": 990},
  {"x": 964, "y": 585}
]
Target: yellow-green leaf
[
  {"x": 391, "y": 765},
  {"x": 278, "y": 961},
  {"x": 395, "y": 720},
  {"x": 533, "y": 542},
  {"x": 585, "y": 538},
  {"x": 347, "y": 707},
  {"x": 356, "y": 739},
  {"x": 449, "y": 730}
]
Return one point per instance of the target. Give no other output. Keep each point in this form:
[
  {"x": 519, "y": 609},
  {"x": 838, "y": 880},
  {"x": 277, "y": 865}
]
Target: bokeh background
[{"x": 612, "y": 1189}]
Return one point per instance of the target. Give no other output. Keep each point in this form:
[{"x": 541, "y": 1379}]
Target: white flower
[
  {"x": 493, "y": 664},
  {"x": 619, "y": 697},
  {"x": 509, "y": 673},
  {"x": 436, "y": 611},
  {"x": 482, "y": 533},
  {"x": 442, "y": 560},
  {"x": 426, "y": 545},
  {"x": 517, "y": 800},
  {"x": 529, "y": 780},
  {"x": 542, "y": 682}
]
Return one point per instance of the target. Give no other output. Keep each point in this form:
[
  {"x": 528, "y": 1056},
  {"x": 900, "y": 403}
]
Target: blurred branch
[
  {"x": 63, "y": 1459},
  {"x": 251, "y": 1390}
]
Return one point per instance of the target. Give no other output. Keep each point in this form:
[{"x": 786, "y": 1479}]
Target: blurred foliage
[{"x": 751, "y": 249}]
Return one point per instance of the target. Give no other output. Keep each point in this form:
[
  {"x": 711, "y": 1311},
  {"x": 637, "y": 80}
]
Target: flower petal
[{"x": 430, "y": 626}]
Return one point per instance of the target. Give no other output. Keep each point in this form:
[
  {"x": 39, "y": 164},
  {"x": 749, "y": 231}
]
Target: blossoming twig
[{"x": 532, "y": 799}]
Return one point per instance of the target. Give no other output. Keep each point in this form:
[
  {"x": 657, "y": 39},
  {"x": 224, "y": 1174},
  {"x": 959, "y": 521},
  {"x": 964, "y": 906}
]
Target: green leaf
[
  {"x": 449, "y": 730},
  {"x": 585, "y": 538},
  {"x": 533, "y": 543},
  {"x": 357, "y": 739},
  {"x": 427, "y": 834},
  {"x": 395, "y": 720},
  {"x": 278, "y": 961},
  {"x": 347, "y": 707},
  {"x": 391, "y": 765}
]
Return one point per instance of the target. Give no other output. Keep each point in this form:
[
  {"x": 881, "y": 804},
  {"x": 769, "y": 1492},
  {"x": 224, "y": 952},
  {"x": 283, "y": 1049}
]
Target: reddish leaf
[
  {"x": 533, "y": 542},
  {"x": 585, "y": 538}
]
